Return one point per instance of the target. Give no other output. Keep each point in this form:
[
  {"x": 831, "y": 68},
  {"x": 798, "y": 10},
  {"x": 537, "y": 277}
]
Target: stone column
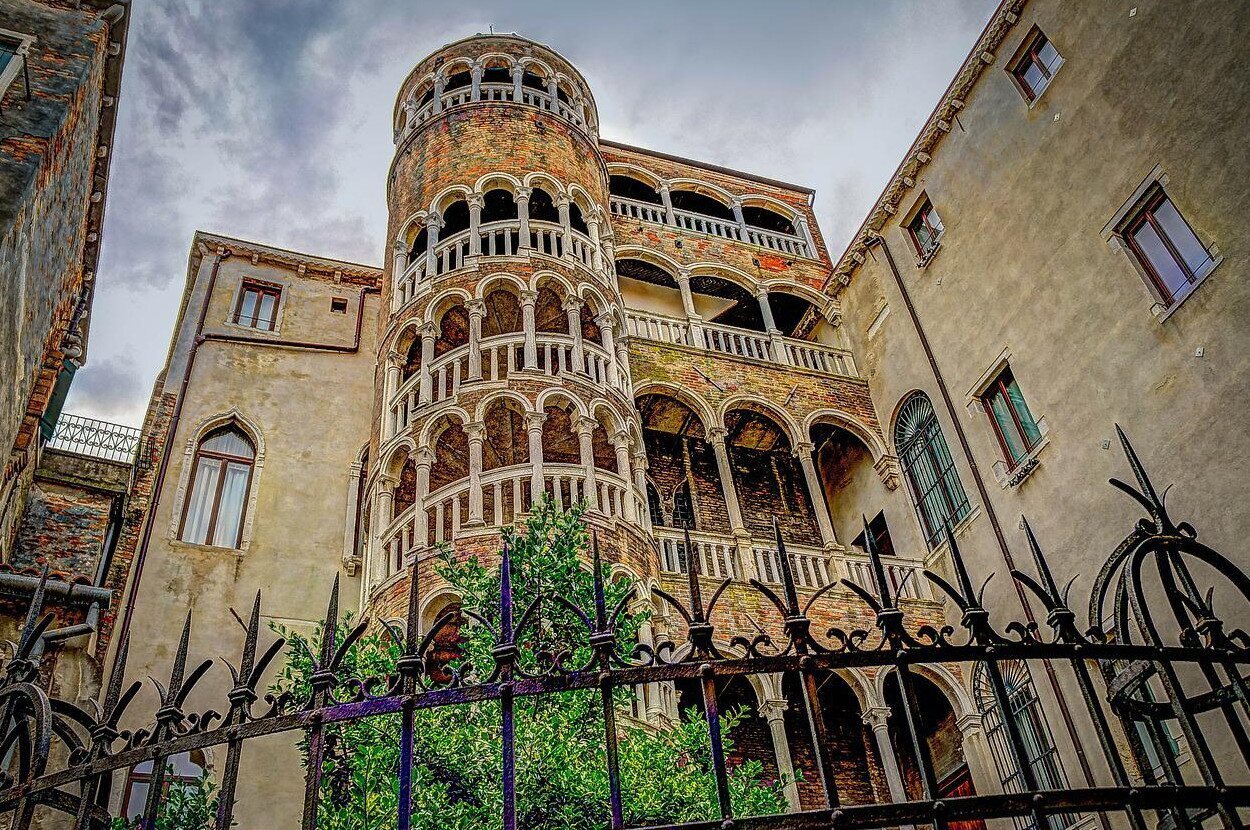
[
  {"x": 736, "y": 207},
  {"x": 424, "y": 460},
  {"x": 774, "y": 711},
  {"x": 620, "y": 443},
  {"x": 399, "y": 265},
  {"x": 475, "y": 224},
  {"x": 607, "y": 325},
  {"x": 878, "y": 717},
  {"x": 425, "y": 385},
  {"x": 803, "y": 452},
  {"x": 573, "y": 308},
  {"x": 977, "y": 754},
  {"x": 476, "y": 430},
  {"x": 585, "y": 438},
  {"x": 476, "y": 309},
  {"x": 517, "y": 72},
  {"x": 433, "y": 223},
  {"x": 640, "y": 484},
  {"x": 553, "y": 91},
  {"x": 566, "y": 230},
  {"x": 622, "y": 363},
  {"x": 687, "y": 303},
  {"x": 775, "y": 342},
  {"x": 717, "y": 436},
  {"x": 391, "y": 386},
  {"x": 806, "y": 232},
  {"x": 439, "y": 83},
  {"x": 383, "y": 513},
  {"x": 523, "y": 213},
  {"x": 667, "y": 198},
  {"x": 534, "y": 425},
  {"x": 528, "y": 299},
  {"x": 475, "y": 72},
  {"x": 596, "y": 253},
  {"x": 351, "y": 542}
]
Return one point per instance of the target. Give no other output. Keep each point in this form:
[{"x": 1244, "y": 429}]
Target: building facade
[{"x": 671, "y": 343}]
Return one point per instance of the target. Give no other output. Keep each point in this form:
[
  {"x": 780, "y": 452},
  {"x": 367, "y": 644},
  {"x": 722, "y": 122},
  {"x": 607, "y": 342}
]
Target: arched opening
[
  {"x": 683, "y": 506},
  {"x": 183, "y": 772},
  {"x": 221, "y": 476},
  {"x": 560, "y": 442},
  {"x": 844, "y": 466},
  {"x": 458, "y": 80},
  {"x": 750, "y": 739},
  {"x": 419, "y": 243},
  {"x": 591, "y": 333},
  {"x": 932, "y": 480},
  {"x": 936, "y": 723},
  {"x": 654, "y": 506},
  {"x": 768, "y": 477},
  {"x": 455, "y": 219},
  {"x": 726, "y": 302},
  {"x": 601, "y": 444},
  {"x": 576, "y": 221},
  {"x": 498, "y": 205},
  {"x": 409, "y": 348},
  {"x": 427, "y": 95},
  {"x": 631, "y": 188},
  {"x": 451, "y": 456},
  {"x": 498, "y": 74},
  {"x": 549, "y": 315},
  {"x": 850, "y": 742},
  {"x": 769, "y": 220},
  {"x": 502, "y": 313},
  {"x": 542, "y": 207},
  {"x": 507, "y": 440},
  {"x": 453, "y": 330},
  {"x": 406, "y": 487},
  {"x": 443, "y": 611},
  {"x": 533, "y": 81},
  {"x": 695, "y": 202},
  {"x": 678, "y": 454}
]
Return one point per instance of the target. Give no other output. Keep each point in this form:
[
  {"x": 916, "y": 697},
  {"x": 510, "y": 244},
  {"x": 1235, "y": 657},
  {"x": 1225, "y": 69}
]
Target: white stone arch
[
  {"x": 614, "y": 423},
  {"x": 233, "y": 416},
  {"x": 487, "y": 59},
  {"x": 595, "y": 298},
  {"x": 635, "y": 171},
  {"x": 497, "y": 280},
  {"x": 479, "y": 414},
  {"x": 441, "y": 303},
  {"x": 458, "y": 63},
  {"x": 940, "y": 676},
  {"x": 585, "y": 203},
  {"x": 541, "y": 277},
  {"x": 448, "y": 196},
  {"x": 412, "y": 226},
  {"x": 667, "y": 264},
  {"x": 434, "y": 605},
  {"x": 497, "y": 180},
  {"x": 705, "y": 188},
  {"x": 528, "y": 62},
  {"x": 547, "y": 395},
  {"x": 392, "y": 461},
  {"x": 440, "y": 421},
  {"x": 726, "y": 272},
  {"x": 835, "y": 417},
  {"x": 554, "y": 187},
  {"x": 784, "y": 286},
  {"x": 775, "y": 205},
  {"x": 696, "y": 403},
  {"x": 754, "y": 403}
]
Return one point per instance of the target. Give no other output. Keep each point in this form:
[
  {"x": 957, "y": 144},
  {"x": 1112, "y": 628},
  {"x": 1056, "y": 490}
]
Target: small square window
[
  {"x": 258, "y": 306},
  {"x": 338, "y": 305},
  {"x": 1014, "y": 425},
  {"x": 1166, "y": 247},
  {"x": 925, "y": 230},
  {"x": 1035, "y": 65}
]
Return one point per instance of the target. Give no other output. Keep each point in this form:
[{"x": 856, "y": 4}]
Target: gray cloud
[{"x": 110, "y": 386}]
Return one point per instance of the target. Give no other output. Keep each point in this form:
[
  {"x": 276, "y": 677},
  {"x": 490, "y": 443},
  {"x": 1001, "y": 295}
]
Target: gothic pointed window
[
  {"x": 930, "y": 471},
  {"x": 220, "y": 479},
  {"x": 683, "y": 507}
]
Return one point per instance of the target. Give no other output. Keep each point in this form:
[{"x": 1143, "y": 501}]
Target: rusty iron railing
[{"x": 1169, "y": 662}]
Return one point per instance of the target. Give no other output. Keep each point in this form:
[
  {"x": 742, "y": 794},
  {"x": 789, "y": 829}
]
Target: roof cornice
[
  {"x": 979, "y": 59},
  {"x": 312, "y": 264}
]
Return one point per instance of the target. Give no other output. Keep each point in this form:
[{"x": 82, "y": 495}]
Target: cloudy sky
[{"x": 270, "y": 120}]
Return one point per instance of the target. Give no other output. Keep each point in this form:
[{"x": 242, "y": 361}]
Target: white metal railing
[
  {"x": 501, "y": 238},
  {"x": 699, "y": 223},
  {"x": 810, "y": 565},
  {"x": 738, "y": 342},
  {"x": 460, "y": 96},
  {"x": 717, "y": 555},
  {"x": 95, "y": 438}
]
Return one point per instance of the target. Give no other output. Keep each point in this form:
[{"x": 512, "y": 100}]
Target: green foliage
[
  {"x": 561, "y": 752},
  {"x": 188, "y": 805}
]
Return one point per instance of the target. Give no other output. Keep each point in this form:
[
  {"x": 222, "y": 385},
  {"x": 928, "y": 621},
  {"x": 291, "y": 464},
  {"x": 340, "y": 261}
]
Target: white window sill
[
  {"x": 1162, "y": 312},
  {"x": 924, "y": 259},
  {"x": 274, "y": 332},
  {"x": 1018, "y": 473}
]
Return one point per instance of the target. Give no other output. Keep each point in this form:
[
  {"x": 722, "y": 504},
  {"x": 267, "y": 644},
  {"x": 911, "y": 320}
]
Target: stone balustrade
[
  {"x": 495, "y": 92},
  {"x": 742, "y": 343},
  {"x": 658, "y": 214}
]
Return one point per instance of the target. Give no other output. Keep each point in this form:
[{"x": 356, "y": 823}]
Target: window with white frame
[
  {"x": 1035, "y": 65},
  {"x": 13, "y": 49},
  {"x": 1164, "y": 245}
]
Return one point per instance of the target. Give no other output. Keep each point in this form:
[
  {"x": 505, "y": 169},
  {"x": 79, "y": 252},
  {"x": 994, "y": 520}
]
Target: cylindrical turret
[{"x": 502, "y": 369}]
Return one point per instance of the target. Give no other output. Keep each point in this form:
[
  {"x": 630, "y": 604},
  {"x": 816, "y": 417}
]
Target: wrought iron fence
[
  {"x": 95, "y": 438},
  {"x": 1193, "y": 664}
]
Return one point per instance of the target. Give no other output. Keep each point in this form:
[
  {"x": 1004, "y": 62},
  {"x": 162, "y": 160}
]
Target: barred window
[
  {"x": 1039, "y": 747},
  {"x": 930, "y": 471}
]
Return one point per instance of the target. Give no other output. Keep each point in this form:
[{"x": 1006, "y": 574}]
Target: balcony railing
[
  {"x": 501, "y": 238},
  {"x": 501, "y": 356},
  {"x": 744, "y": 343},
  {"x": 94, "y": 438},
  {"x": 537, "y": 98},
  {"x": 717, "y": 555},
  {"x": 699, "y": 223},
  {"x": 506, "y": 498}
]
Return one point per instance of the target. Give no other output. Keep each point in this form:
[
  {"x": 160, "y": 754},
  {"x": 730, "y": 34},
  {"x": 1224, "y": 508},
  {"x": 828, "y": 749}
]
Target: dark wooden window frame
[
  {"x": 999, "y": 384},
  {"x": 224, "y": 458},
  {"x": 1029, "y": 54},
  {"x": 261, "y": 289},
  {"x": 922, "y": 216},
  {"x": 1145, "y": 214}
]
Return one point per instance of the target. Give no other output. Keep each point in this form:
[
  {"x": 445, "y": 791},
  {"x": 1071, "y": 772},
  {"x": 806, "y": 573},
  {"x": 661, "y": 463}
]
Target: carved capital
[
  {"x": 476, "y": 201},
  {"x": 433, "y": 220},
  {"x": 888, "y": 470},
  {"x": 399, "y": 247},
  {"x": 717, "y": 436},
  {"x": 773, "y": 710},
  {"x": 803, "y": 450},
  {"x": 476, "y": 430},
  {"x": 528, "y": 297},
  {"x": 877, "y": 717},
  {"x": 476, "y": 307},
  {"x": 523, "y": 193},
  {"x": 584, "y": 425},
  {"x": 573, "y": 303}
]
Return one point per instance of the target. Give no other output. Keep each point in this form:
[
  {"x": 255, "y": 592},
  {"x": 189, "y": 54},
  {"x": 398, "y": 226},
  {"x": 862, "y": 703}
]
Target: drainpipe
[
  {"x": 67, "y": 591},
  {"x": 990, "y": 513}
]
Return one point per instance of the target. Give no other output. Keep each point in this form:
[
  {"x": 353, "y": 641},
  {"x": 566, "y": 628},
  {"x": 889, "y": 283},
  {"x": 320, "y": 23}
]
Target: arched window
[
  {"x": 683, "y": 508},
  {"x": 220, "y": 479},
  {"x": 931, "y": 475},
  {"x": 183, "y": 771},
  {"x": 1030, "y": 722}
]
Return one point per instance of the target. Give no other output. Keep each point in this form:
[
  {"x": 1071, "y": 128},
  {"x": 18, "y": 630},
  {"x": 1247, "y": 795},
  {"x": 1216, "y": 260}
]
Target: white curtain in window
[
  {"x": 200, "y": 506},
  {"x": 230, "y": 510}
]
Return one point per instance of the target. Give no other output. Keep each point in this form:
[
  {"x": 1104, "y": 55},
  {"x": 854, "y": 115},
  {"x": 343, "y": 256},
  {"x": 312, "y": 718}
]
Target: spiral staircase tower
[{"x": 502, "y": 372}]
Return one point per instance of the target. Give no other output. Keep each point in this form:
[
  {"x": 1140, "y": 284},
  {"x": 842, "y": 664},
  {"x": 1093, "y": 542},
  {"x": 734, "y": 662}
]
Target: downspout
[
  {"x": 983, "y": 492},
  {"x": 68, "y": 592}
]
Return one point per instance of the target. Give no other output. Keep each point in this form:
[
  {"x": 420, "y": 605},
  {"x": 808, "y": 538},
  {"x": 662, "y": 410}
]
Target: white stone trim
[{"x": 10, "y": 73}]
